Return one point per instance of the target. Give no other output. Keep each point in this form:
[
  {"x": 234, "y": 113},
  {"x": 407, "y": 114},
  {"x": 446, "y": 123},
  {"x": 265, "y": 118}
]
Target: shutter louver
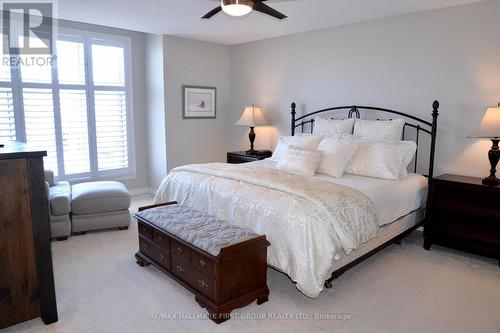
[{"x": 7, "y": 120}]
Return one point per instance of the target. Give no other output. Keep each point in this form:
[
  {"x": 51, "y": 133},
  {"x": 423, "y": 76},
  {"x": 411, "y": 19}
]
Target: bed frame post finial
[
  {"x": 435, "y": 114},
  {"x": 293, "y": 118},
  {"x": 435, "y": 107}
]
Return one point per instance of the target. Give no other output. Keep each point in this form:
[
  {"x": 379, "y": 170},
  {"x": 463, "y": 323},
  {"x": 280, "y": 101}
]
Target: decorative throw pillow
[
  {"x": 389, "y": 130},
  {"x": 408, "y": 155},
  {"x": 309, "y": 142},
  {"x": 329, "y": 127},
  {"x": 300, "y": 161},
  {"x": 379, "y": 159},
  {"x": 336, "y": 155}
]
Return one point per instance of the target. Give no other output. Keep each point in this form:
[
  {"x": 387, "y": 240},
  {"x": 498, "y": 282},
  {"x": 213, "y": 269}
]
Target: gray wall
[
  {"x": 402, "y": 62},
  {"x": 193, "y": 62},
  {"x": 155, "y": 101}
]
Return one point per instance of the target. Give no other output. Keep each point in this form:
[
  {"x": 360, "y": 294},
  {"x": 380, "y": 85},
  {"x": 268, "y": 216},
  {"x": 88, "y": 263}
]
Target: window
[{"x": 77, "y": 109}]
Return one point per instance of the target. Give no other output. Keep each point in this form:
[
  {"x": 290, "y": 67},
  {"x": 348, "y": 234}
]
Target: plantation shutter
[
  {"x": 74, "y": 127},
  {"x": 39, "y": 123},
  {"x": 111, "y": 130},
  {"x": 110, "y": 106}
]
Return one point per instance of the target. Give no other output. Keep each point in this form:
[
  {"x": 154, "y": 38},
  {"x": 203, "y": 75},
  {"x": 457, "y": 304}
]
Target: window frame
[{"x": 88, "y": 39}]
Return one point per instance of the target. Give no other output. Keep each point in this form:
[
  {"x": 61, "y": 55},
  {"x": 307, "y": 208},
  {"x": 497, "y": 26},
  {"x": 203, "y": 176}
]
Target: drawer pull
[
  {"x": 145, "y": 246},
  {"x": 180, "y": 250},
  {"x": 203, "y": 284},
  {"x": 180, "y": 269},
  {"x": 162, "y": 257},
  {"x": 202, "y": 263}
]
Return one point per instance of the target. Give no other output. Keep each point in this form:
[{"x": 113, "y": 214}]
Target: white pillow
[
  {"x": 328, "y": 127},
  {"x": 309, "y": 142},
  {"x": 336, "y": 155},
  {"x": 408, "y": 156},
  {"x": 387, "y": 160},
  {"x": 300, "y": 161},
  {"x": 389, "y": 130}
]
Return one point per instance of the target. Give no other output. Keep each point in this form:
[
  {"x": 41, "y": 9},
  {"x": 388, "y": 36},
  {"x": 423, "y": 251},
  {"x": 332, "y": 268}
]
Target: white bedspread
[
  {"x": 308, "y": 221},
  {"x": 392, "y": 198}
]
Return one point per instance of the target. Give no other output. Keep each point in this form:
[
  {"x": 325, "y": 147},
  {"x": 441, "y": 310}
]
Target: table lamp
[
  {"x": 252, "y": 116},
  {"x": 490, "y": 128}
]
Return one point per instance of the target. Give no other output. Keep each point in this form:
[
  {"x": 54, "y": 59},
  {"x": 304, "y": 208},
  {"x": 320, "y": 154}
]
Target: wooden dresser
[
  {"x": 26, "y": 277},
  {"x": 464, "y": 214}
]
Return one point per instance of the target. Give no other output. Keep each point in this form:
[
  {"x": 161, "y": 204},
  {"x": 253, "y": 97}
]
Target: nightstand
[
  {"x": 464, "y": 214},
  {"x": 238, "y": 157}
]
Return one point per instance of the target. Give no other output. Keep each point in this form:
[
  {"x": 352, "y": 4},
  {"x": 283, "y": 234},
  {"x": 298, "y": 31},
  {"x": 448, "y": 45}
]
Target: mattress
[
  {"x": 385, "y": 234},
  {"x": 392, "y": 198}
]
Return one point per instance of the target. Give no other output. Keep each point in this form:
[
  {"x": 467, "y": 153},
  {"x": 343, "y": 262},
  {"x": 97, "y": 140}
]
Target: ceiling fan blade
[
  {"x": 212, "y": 12},
  {"x": 260, "y": 7}
]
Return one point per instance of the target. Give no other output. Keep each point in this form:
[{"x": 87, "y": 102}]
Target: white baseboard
[{"x": 142, "y": 191}]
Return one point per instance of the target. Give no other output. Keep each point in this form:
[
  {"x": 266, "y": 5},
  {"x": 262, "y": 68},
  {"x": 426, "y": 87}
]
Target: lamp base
[
  {"x": 494, "y": 157},
  {"x": 251, "y": 152},
  {"x": 491, "y": 181}
]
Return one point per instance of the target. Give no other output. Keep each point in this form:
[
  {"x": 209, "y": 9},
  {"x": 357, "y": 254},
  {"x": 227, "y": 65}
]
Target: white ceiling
[{"x": 182, "y": 17}]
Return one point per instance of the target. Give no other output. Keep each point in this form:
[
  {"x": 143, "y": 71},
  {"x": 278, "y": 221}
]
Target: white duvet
[{"x": 308, "y": 221}]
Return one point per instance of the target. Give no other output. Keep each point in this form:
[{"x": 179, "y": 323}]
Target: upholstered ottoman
[{"x": 99, "y": 205}]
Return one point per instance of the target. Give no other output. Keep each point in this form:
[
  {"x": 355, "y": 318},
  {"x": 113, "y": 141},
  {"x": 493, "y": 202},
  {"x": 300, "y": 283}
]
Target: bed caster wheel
[{"x": 329, "y": 284}]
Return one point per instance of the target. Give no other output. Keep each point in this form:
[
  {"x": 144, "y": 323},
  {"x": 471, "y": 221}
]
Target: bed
[{"x": 318, "y": 226}]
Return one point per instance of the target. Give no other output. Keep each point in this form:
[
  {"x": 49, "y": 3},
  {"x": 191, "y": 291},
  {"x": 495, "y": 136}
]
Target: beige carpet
[{"x": 404, "y": 288}]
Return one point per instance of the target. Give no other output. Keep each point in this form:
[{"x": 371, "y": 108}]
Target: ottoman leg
[
  {"x": 62, "y": 238},
  {"x": 123, "y": 228},
  {"x": 79, "y": 233}
]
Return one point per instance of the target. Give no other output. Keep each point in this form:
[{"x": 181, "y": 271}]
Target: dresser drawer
[
  {"x": 181, "y": 251},
  {"x": 161, "y": 240},
  {"x": 146, "y": 247},
  {"x": 183, "y": 270},
  {"x": 203, "y": 284},
  {"x": 145, "y": 230},
  {"x": 203, "y": 265},
  {"x": 154, "y": 252}
]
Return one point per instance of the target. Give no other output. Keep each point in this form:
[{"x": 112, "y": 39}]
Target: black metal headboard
[{"x": 420, "y": 125}]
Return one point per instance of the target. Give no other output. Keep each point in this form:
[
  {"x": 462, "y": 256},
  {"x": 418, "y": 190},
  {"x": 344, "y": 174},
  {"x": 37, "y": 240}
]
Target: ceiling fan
[{"x": 243, "y": 7}]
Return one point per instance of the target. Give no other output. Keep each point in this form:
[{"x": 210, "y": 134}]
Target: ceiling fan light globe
[{"x": 237, "y": 7}]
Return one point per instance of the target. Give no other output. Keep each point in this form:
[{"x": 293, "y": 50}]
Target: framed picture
[{"x": 199, "y": 102}]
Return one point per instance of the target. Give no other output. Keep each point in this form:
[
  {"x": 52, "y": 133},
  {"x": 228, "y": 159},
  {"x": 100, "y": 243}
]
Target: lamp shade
[
  {"x": 490, "y": 124},
  {"x": 252, "y": 116}
]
